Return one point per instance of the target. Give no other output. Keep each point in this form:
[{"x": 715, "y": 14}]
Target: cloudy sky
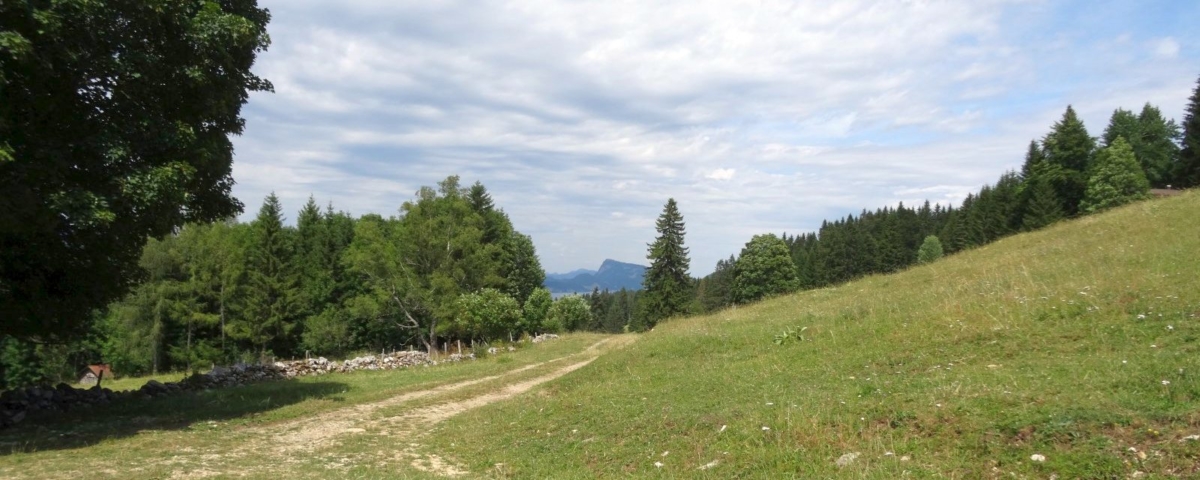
[{"x": 583, "y": 117}]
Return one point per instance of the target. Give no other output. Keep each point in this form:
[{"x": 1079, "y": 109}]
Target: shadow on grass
[{"x": 129, "y": 416}]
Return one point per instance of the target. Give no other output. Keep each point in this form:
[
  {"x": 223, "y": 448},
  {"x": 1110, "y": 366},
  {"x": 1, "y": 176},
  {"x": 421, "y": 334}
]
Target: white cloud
[
  {"x": 1167, "y": 48},
  {"x": 721, "y": 174},
  {"x": 583, "y": 117}
]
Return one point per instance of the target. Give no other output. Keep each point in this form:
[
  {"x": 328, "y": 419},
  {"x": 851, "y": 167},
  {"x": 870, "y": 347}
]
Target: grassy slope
[{"x": 963, "y": 369}]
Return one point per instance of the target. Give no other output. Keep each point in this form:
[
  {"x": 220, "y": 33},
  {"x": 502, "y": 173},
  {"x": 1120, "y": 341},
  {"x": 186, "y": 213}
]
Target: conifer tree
[
  {"x": 1040, "y": 206},
  {"x": 270, "y": 313},
  {"x": 1152, "y": 138},
  {"x": 1117, "y": 179},
  {"x": 1069, "y": 146},
  {"x": 1032, "y": 157},
  {"x": 1187, "y": 170},
  {"x": 666, "y": 283}
]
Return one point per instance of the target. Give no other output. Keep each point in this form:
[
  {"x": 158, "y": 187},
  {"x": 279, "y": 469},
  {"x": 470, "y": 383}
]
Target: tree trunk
[{"x": 222, "y": 308}]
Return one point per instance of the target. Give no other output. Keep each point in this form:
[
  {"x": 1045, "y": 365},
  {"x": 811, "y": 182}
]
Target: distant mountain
[
  {"x": 612, "y": 275},
  {"x": 570, "y": 275}
]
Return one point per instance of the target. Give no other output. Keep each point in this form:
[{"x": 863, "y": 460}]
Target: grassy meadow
[
  {"x": 1077, "y": 343},
  {"x": 1070, "y": 352}
]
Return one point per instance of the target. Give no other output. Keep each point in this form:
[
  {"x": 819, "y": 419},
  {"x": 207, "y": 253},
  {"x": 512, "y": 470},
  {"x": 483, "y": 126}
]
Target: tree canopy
[
  {"x": 115, "y": 120},
  {"x": 1117, "y": 179},
  {"x": 764, "y": 268}
]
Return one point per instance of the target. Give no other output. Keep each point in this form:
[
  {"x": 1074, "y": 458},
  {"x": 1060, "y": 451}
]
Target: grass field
[{"x": 1075, "y": 346}]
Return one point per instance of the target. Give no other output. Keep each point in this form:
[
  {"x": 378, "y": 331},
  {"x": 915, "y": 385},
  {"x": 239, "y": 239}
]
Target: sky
[{"x": 583, "y": 117}]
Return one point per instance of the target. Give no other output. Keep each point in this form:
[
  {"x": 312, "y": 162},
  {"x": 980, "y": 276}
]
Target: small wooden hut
[{"x": 93, "y": 374}]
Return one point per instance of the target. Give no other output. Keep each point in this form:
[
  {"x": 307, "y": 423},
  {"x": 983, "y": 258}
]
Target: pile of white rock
[
  {"x": 544, "y": 337},
  {"x": 385, "y": 361}
]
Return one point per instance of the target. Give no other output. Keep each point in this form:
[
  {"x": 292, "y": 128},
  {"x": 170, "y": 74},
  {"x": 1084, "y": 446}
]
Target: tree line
[
  {"x": 1066, "y": 174},
  {"x": 449, "y": 267}
]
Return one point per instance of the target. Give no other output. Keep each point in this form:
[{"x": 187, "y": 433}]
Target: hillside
[
  {"x": 1076, "y": 343},
  {"x": 612, "y": 275}
]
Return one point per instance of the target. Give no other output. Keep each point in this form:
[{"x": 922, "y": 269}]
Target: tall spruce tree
[
  {"x": 1033, "y": 157},
  {"x": 666, "y": 285},
  {"x": 1187, "y": 169},
  {"x": 1040, "y": 206},
  {"x": 1069, "y": 146},
  {"x": 270, "y": 312}
]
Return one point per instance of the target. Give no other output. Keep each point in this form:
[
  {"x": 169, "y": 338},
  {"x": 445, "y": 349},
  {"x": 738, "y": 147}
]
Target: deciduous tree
[{"x": 115, "y": 118}]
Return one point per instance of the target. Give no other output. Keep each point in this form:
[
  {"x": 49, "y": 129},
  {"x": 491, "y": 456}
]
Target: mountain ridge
[{"x": 612, "y": 275}]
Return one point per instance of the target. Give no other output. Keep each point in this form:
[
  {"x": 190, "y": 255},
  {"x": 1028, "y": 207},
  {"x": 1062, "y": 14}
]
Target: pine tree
[
  {"x": 666, "y": 282},
  {"x": 1040, "y": 206},
  {"x": 1069, "y": 146},
  {"x": 315, "y": 282},
  {"x": 1033, "y": 157},
  {"x": 1117, "y": 179},
  {"x": 1187, "y": 170},
  {"x": 270, "y": 313},
  {"x": 1152, "y": 138}
]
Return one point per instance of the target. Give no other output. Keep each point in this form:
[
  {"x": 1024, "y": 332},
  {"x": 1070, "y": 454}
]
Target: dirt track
[{"x": 307, "y": 437}]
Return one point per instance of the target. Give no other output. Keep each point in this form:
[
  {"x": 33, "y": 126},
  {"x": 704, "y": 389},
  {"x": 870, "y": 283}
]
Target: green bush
[
  {"x": 930, "y": 251},
  {"x": 568, "y": 313}
]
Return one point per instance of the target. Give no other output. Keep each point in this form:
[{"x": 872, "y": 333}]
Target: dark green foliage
[
  {"x": 1039, "y": 204},
  {"x": 1152, "y": 138},
  {"x": 1117, "y": 179},
  {"x": 1069, "y": 147},
  {"x": 666, "y": 286},
  {"x": 1033, "y": 157},
  {"x": 930, "y": 251},
  {"x": 764, "y": 268},
  {"x": 486, "y": 314},
  {"x": 535, "y": 311},
  {"x": 414, "y": 268},
  {"x": 715, "y": 291},
  {"x": 115, "y": 120},
  {"x": 272, "y": 307},
  {"x": 1187, "y": 170},
  {"x": 523, "y": 271},
  {"x": 568, "y": 313}
]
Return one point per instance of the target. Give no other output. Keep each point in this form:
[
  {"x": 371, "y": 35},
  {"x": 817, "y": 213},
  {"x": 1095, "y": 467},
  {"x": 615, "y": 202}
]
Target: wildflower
[
  {"x": 1166, "y": 382},
  {"x": 766, "y": 428},
  {"x": 1170, "y": 327},
  {"x": 668, "y": 452},
  {"x": 1141, "y": 316},
  {"x": 1037, "y": 457},
  {"x": 658, "y": 464},
  {"x": 722, "y": 428}
]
